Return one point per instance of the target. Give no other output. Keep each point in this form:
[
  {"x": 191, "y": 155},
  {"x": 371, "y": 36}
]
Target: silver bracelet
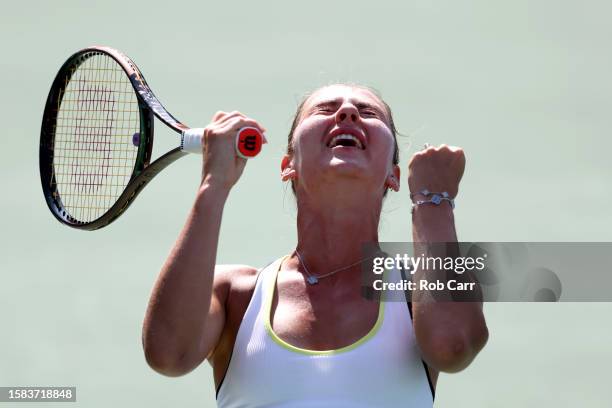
[
  {"x": 436, "y": 199},
  {"x": 427, "y": 193}
]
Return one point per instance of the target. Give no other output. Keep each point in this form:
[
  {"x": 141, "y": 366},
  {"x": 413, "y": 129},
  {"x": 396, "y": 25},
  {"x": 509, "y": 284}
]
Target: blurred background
[{"x": 522, "y": 86}]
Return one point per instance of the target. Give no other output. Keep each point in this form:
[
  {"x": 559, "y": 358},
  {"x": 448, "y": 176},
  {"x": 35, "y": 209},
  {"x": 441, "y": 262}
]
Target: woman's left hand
[{"x": 436, "y": 169}]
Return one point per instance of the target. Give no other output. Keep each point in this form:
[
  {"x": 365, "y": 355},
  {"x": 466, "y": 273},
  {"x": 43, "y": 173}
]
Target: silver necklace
[{"x": 312, "y": 279}]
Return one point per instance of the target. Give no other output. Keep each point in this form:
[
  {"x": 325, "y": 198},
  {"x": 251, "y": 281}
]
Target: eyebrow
[{"x": 358, "y": 105}]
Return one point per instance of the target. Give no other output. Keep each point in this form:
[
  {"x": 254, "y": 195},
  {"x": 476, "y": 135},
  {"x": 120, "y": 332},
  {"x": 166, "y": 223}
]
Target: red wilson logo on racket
[{"x": 248, "y": 142}]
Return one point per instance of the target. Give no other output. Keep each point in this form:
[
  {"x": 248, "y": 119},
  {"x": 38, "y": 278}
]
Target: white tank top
[{"x": 382, "y": 369}]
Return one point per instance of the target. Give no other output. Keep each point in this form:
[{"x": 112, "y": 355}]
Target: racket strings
[{"x": 96, "y": 138}]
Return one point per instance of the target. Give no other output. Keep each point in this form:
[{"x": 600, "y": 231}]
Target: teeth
[{"x": 335, "y": 139}]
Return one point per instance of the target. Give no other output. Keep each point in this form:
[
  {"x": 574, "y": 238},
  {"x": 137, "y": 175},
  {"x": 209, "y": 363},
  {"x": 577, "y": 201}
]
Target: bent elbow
[
  {"x": 166, "y": 366},
  {"x": 452, "y": 354},
  {"x": 448, "y": 355},
  {"x": 164, "y": 362}
]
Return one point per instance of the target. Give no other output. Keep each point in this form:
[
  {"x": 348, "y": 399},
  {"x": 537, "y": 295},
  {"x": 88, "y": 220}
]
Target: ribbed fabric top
[{"x": 382, "y": 369}]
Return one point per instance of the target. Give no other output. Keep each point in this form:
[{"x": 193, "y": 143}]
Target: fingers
[
  {"x": 236, "y": 120},
  {"x": 236, "y": 123},
  {"x": 221, "y": 118},
  {"x": 228, "y": 125},
  {"x": 218, "y": 116},
  {"x": 231, "y": 115},
  {"x": 442, "y": 147}
]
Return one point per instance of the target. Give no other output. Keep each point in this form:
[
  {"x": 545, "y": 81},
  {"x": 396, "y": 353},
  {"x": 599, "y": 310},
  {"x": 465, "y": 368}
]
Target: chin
[
  {"x": 339, "y": 169},
  {"x": 348, "y": 165}
]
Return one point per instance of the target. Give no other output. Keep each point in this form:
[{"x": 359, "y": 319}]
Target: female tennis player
[{"x": 298, "y": 332}]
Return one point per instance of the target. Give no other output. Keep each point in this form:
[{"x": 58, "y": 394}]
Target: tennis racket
[{"x": 97, "y": 136}]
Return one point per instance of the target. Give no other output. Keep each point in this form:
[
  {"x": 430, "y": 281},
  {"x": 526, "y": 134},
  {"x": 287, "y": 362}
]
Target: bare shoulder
[
  {"x": 226, "y": 273},
  {"x": 233, "y": 278}
]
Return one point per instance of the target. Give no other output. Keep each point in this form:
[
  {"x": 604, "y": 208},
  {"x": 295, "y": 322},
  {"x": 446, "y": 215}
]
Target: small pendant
[{"x": 312, "y": 280}]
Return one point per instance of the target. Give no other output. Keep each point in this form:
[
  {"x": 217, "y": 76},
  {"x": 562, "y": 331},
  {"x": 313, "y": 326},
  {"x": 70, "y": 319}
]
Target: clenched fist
[
  {"x": 436, "y": 169},
  {"x": 221, "y": 164}
]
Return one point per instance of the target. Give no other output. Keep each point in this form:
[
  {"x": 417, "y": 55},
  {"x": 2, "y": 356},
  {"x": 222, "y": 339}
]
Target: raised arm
[
  {"x": 449, "y": 334},
  {"x": 186, "y": 312}
]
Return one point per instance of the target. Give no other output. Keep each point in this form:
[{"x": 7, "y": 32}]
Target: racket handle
[{"x": 248, "y": 141}]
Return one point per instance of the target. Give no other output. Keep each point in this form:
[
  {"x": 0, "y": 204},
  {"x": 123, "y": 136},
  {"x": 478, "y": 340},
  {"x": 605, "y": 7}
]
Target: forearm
[
  {"x": 450, "y": 334},
  {"x": 177, "y": 310}
]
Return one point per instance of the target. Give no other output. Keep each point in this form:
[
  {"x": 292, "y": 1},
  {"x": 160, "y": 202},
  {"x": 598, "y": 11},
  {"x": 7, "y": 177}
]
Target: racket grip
[{"x": 248, "y": 141}]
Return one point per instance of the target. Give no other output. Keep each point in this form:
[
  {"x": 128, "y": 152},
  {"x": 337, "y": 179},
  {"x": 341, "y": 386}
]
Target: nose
[{"x": 347, "y": 112}]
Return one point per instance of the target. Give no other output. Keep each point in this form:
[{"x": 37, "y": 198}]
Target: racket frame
[{"x": 143, "y": 171}]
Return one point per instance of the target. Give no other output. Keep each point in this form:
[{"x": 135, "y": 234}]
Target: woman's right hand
[{"x": 222, "y": 167}]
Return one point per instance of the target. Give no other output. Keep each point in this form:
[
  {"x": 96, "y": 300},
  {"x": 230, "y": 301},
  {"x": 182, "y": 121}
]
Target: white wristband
[{"x": 191, "y": 140}]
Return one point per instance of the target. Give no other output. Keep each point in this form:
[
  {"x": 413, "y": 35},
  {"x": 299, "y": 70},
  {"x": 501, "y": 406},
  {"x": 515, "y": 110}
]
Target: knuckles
[
  {"x": 225, "y": 125},
  {"x": 221, "y": 116},
  {"x": 218, "y": 115},
  {"x": 441, "y": 154}
]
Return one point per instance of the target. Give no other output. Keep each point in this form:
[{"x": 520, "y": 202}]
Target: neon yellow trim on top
[{"x": 283, "y": 343}]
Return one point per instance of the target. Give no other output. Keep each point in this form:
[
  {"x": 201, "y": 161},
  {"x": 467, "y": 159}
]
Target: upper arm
[{"x": 217, "y": 313}]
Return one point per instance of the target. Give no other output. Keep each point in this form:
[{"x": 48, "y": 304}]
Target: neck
[{"x": 333, "y": 229}]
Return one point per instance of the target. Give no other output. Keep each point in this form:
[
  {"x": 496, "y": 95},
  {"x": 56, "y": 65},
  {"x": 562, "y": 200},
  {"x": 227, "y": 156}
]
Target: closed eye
[{"x": 369, "y": 112}]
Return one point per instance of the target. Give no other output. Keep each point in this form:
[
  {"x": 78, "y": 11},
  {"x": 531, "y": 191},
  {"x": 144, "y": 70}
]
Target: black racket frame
[{"x": 143, "y": 171}]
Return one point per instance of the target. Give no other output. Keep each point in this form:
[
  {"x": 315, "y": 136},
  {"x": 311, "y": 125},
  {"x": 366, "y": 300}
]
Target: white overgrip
[{"x": 191, "y": 140}]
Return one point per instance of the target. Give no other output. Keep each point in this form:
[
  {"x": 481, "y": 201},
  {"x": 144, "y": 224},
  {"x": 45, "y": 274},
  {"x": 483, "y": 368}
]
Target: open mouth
[{"x": 345, "y": 140}]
